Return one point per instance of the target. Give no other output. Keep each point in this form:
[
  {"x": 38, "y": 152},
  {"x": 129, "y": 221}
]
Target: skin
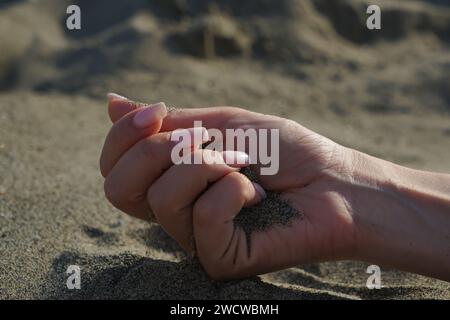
[{"x": 354, "y": 206}]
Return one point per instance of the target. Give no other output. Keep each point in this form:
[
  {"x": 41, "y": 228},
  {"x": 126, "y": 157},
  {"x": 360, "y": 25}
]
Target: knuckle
[
  {"x": 237, "y": 180},
  {"x": 232, "y": 112},
  {"x": 115, "y": 134},
  {"x": 113, "y": 194},
  {"x": 239, "y": 184},
  {"x": 151, "y": 147},
  {"x": 157, "y": 204},
  {"x": 147, "y": 149},
  {"x": 202, "y": 212},
  {"x": 152, "y": 199}
]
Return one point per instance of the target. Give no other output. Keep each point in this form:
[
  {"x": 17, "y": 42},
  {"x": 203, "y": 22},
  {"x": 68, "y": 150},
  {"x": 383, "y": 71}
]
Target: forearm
[{"x": 402, "y": 216}]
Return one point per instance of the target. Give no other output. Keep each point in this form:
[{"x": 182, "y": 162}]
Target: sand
[
  {"x": 271, "y": 211},
  {"x": 386, "y": 94}
]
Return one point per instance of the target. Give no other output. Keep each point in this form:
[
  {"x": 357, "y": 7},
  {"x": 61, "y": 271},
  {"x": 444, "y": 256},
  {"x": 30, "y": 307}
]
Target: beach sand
[{"x": 386, "y": 93}]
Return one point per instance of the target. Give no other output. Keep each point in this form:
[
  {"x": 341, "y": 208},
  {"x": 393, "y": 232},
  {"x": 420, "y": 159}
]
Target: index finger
[{"x": 119, "y": 106}]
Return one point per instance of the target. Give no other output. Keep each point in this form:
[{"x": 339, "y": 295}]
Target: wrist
[{"x": 400, "y": 215}]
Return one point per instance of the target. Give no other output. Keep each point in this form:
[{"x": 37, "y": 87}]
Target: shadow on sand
[{"x": 128, "y": 276}]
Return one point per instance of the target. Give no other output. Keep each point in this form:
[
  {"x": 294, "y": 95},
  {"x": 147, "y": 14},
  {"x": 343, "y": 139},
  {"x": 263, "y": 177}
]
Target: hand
[
  {"x": 352, "y": 205},
  {"x": 201, "y": 200}
]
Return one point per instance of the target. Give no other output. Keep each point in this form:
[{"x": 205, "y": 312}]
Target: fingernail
[
  {"x": 190, "y": 137},
  {"x": 149, "y": 114},
  {"x": 113, "y": 95},
  {"x": 260, "y": 190},
  {"x": 236, "y": 159}
]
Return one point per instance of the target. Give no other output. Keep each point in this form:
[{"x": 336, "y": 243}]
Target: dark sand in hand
[{"x": 271, "y": 211}]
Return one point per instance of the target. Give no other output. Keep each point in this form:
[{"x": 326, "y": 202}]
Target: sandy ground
[{"x": 385, "y": 93}]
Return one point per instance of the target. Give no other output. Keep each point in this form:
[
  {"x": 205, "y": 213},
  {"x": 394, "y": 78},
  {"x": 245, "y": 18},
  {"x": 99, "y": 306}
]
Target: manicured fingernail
[
  {"x": 236, "y": 159},
  {"x": 190, "y": 137},
  {"x": 260, "y": 190},
  {"x": 112, "y": 96},
  {"x": 149, "y": 114}
]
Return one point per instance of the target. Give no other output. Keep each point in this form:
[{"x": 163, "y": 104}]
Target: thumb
[{"x": 221, "y": 246}]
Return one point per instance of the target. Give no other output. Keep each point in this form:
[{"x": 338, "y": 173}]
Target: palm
[{"x": 323, "y": 230}]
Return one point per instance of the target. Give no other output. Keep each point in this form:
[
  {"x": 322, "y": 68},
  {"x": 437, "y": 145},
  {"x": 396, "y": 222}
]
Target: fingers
[
  {"x": 213, "y": 117},
  {"x": 125, "y": 131},
  {"x": 172, "y": 197},
  {"x": 132, "y": 127},
  {"x": 127, "y": 183},
  {"x": 219, "y": 243},
  {"x": 119, "y": 106},
  {"x": 216, "y": 117}
]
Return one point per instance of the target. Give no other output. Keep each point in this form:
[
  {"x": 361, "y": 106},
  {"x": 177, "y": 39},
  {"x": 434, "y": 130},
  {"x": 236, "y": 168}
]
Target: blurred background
[{"x": 385, "y": 92}]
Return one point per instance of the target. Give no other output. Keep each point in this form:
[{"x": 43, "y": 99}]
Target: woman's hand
[
  {"x": 200, "y": 201},
  {"x": 330, "y": 185}
]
